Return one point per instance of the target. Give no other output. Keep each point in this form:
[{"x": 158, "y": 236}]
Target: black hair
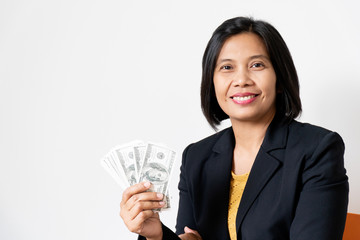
[{"x": 288, "y": 103}]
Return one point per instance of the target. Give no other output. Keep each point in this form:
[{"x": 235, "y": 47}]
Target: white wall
[{"x": 78, "y": 77}]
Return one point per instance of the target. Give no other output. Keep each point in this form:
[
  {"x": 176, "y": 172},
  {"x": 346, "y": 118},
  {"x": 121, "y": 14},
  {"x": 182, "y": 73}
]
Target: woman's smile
[{"x": 244, "y": 98}]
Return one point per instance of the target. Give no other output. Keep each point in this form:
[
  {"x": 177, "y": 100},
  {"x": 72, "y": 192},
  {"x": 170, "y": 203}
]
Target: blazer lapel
[
  {"x": 263, "y": 169},
  {"x": 217, "y": 187}
]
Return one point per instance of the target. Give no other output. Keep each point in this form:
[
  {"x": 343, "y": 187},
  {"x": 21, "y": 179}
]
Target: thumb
[{"x": 189, "y": 230}]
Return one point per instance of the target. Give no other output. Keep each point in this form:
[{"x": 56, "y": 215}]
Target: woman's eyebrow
[
  {"x": 250, "y": 58},
  {"x": 259, "y": 56},
  {"x": 224, "y": 60},
  {"x": 220, "y": 61}
]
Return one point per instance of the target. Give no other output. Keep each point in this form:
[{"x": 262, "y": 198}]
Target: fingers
[
  {"x": 143, "y": 216},
  {"x": 137, "y": 188},
  {"x": 182, "y": 236},
  {"x": 189, "y": 230},
  {"x": 144, "y": 201},
  {"x": 146, "y": 196},
  {"x": 136, "y": 209},
  {"x": 189, "y": 236},
  {"x": 137, "y": 225},
  {"x": 141, "y": 206},
  {"x": 135, "y": 200}
]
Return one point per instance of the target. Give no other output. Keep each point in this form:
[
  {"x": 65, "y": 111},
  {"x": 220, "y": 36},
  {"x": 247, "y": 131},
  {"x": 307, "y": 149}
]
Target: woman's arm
[
  {"x": 322, "y": 207},
  {"x": 185, "y": 217}
]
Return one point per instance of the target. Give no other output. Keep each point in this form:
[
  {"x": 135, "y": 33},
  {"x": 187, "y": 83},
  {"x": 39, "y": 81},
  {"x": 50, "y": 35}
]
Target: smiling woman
[
  {"x": 268, "y": 176},
  {"x": 275, "y": 55}
]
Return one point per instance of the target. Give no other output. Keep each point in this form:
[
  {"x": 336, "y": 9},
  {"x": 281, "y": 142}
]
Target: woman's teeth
[{"x": 243, "y": 98}]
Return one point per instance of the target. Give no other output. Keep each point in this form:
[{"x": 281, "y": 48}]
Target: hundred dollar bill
[
  {"x": 138, "y": 161},
  {"x": 157, "y": 167},
  {"x": 107, "y": 163},
  {"x": 125, "y": 158},
  {"x": 139, "y": 153}
]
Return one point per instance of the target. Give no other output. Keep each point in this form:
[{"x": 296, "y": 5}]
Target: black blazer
[{"x": 297, "y": 187}]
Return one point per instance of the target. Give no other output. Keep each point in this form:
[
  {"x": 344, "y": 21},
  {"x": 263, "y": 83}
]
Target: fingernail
[
  {"x": 147, "y": 184},
  {"x": 162, "y": 203},
  {"x": 159, "y": 195}
]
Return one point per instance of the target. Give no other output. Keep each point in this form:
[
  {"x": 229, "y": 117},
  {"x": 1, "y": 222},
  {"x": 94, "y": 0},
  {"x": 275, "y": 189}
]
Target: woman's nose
[{"x": 242, "y": 79}]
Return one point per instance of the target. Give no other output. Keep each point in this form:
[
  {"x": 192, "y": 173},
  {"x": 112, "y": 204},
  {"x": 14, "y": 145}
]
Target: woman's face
[{"x": 245, "y": 80}]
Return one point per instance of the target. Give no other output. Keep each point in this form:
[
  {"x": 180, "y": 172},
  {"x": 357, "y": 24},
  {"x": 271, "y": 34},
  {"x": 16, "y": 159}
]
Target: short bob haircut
[{"x": 288, "y": 103}]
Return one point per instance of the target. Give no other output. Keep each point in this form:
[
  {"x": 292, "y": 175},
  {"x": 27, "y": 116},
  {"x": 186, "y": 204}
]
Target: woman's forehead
[{"x": 243, "y": 45}]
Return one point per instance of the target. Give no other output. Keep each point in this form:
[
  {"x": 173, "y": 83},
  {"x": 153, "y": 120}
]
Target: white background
[{"x": 78, "y": 77}]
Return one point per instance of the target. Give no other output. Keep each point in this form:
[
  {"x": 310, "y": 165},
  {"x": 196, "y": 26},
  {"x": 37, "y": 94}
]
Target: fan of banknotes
[{"x": 138, "y": 161}]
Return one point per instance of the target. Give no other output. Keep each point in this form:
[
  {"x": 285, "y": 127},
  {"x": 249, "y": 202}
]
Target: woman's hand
[
  {"x": 136, "y": 210},
  {"x": 190, "y": 234}
]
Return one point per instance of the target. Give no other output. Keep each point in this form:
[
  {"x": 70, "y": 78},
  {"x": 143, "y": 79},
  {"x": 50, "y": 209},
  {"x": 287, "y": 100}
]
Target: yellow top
[{"x": 237, "y": 186}]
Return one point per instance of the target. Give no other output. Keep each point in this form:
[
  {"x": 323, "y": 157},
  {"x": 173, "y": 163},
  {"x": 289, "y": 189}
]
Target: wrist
[
  {"x": 160, "y": 237},
  {"x": 155, "y": 238}
]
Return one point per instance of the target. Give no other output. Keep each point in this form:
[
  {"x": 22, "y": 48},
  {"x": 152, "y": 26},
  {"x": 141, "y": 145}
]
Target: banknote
[
  {"x": 107, "y": 164},
  {"x": 112, "y": 165},
  {"x": 139, "y": 153},
  {"x": 124, "y": 157},
  {"x": 139, "y": 161},
  {"x": 157, "y": 166}
]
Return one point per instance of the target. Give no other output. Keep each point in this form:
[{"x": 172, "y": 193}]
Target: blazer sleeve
[
  {"x": 185, "y": 215},
  {"x": 322, "y": 207}
]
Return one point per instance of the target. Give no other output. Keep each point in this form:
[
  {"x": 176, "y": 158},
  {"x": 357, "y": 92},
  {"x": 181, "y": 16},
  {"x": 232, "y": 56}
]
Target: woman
[{"x": 266, "y": 177}]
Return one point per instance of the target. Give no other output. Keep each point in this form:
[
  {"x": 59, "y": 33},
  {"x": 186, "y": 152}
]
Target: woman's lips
[{"x": 244, "y": 98}]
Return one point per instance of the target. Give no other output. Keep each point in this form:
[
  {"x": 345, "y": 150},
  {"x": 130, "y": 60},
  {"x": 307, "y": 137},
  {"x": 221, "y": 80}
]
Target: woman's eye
[
  {"x": 226, "y": 67},
  {"x": 257, "y": 65}
]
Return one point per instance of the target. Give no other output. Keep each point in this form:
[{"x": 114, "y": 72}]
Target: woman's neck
[
  {"x": 250, "y": 135},
  {"x": 248, "y": 139}
]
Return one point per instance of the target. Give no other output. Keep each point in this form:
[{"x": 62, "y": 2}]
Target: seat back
[{"x": 352, "y": 227}]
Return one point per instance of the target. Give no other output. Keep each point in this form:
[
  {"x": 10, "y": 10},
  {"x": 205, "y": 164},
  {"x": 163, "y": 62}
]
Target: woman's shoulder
[
  {"x": 308, "y": 128},
  {"x": 311, "y": 134},
  {"x": 214, "y": 137},
  {"x": 207, "y": 144}
]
